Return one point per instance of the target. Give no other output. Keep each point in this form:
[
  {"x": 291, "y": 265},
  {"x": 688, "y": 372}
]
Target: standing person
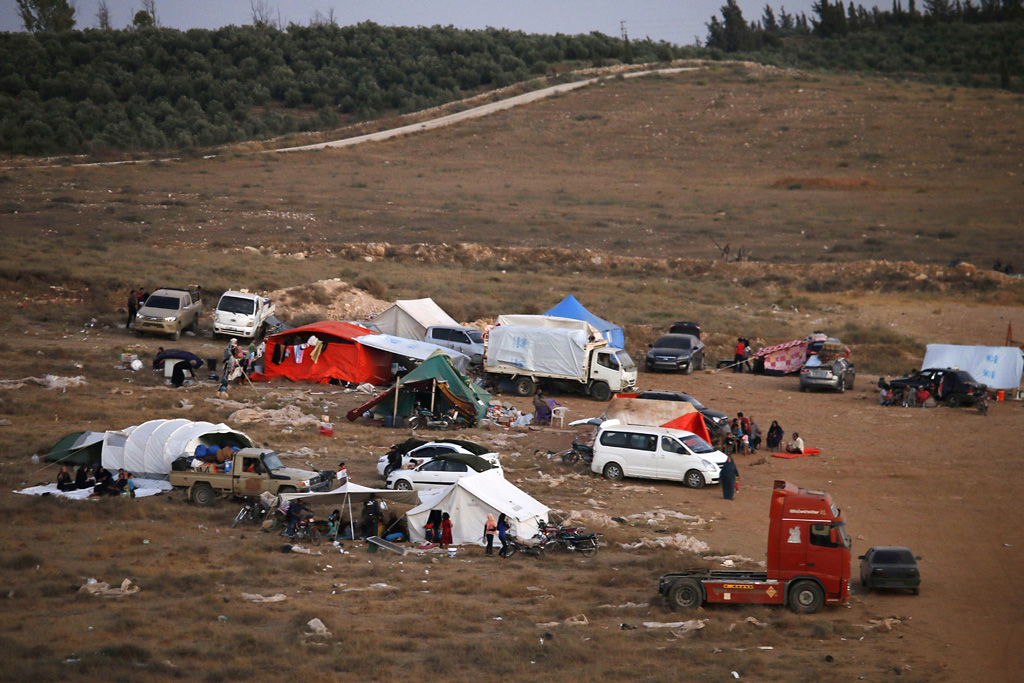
[
  {"x": 333, "y": 522},
  {"x": 755, "y": 435},
  {"x": 131, "y": 486},
  {"x": 133, "y": 308},
  {"x": 143, "y": 295},
  {"x": 729, "y": 477},
  {"x": 502, "y": 528},
  {"x": 230, "y": 365},
  {"x": 342, "y": 474},
  {"x": 371, "y": 515},
  {"x": 775, "y": 435},
  {"x": 490, "y": 528},
  {"x": 740, "y": 356},
  {"x": 229, "y": 350},
  {"x": 446, "y": 531},
  {"x": 64, "y": 482},
  {"x": 796, "y": 445}
]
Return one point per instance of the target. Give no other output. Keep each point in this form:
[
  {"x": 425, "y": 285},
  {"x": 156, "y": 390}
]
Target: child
[{"x": 446, "y": 531}]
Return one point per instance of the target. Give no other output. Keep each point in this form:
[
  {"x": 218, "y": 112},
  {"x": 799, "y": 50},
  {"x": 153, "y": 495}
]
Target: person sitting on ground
[
  {"x": 541, "y": 409},
  {"x": 104, "y": 483},
  {"x": 886, "y": 397},
  {"x": 396, "y": 530},
  {"x": 775, "y": 434},
  {"x": 796, "y": 445},
  {"x": 921, "y": 395},
  {"x": 122, "y": 482},
  {"x": 82, "y": 478},
  {"x": 64, "y": 482}
]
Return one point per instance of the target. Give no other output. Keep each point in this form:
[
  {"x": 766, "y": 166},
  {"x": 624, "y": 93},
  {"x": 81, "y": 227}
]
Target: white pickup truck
[{"x": 241, "y": 314}]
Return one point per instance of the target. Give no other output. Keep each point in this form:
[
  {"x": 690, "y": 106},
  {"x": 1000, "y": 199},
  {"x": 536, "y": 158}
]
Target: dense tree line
[{"x": 156, "y": 88}]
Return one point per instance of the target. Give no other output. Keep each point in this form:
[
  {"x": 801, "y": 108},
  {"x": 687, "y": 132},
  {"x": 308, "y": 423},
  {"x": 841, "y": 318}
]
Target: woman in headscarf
[
  {"x": 774, "y": 437},
  {"x": 490, "y": 528}
]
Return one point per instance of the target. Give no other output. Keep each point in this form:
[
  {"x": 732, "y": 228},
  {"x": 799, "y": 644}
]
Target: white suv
[{"x": 655, "y": 453}]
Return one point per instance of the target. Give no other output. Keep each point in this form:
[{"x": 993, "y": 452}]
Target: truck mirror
[
  {"x": 860, "y": 557},
  {"x": 650, "y": 346}
]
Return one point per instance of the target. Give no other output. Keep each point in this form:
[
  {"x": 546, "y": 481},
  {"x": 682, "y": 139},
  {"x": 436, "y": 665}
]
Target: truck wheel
[
  {"x": 700, "y": 365},
  {"x": 403, "y": 485},
  {"x": 689, "y": 368},
  {"x": 842, "y": 385},
  {"x": 806, "y": 597},
  {"x": 685, "y": 594},
  {"x": 176, "y": 335},
  {"x": 613, "y": 472},
  {"x": 953, "y": 401},
  {"x": 694, "y": 480},
  {"x": 525, "y": 386},
  {"x": 203, "y": 495},
  {"x": 194, "y": 327},
  {"x": 600, "y": 391},
  {"x": 139, "y": 333}
]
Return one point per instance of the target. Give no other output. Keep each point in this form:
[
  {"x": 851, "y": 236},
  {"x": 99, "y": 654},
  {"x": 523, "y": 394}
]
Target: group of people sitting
[
  {"x": 102, "y": 482},
  {"x": 909, "y": 397},
  {"x": 744, "y": 435}
]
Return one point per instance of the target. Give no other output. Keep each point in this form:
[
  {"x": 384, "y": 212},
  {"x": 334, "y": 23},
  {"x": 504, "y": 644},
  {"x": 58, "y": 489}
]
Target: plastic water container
[
  {"x": 1001, "y": 395},
  {"x": 227, "y": 465},
  {"x": 452, "y": 552}
]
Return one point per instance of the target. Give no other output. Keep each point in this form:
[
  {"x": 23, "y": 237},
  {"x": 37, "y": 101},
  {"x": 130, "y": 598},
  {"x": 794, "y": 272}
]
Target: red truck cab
[{"x": 808, "y": 562}]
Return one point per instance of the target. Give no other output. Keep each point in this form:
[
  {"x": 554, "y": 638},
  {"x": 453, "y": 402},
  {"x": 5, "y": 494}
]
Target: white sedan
[
  {"x": 443, "y": 470},
  {"x": 423, "y": 453}
]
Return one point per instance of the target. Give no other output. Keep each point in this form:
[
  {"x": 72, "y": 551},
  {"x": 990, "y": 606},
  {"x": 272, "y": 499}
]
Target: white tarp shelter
[
  {"x": 410, "y": 318},
  {"x": 469, "y": 500},
  {"x": 540, "y": 343},
  {"x": 353, "y": 494},
  {"x": 412, "y": 348},
  {"x": 999, "y": 367},
  {"x": 147, "y": 450}
]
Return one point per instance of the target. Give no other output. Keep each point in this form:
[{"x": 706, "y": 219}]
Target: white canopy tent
[
  {"x": 353, "y": 493},
  {"x": 410, "y": 318},
  {"x": 998, "y": 367},
  {"x": 411, "y": 348},
  {"x": 469, "y": 500}
]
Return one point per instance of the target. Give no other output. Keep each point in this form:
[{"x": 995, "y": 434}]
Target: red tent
[
  {"x": 690, "y": 422},
  {"x": 340, "y": 357}
]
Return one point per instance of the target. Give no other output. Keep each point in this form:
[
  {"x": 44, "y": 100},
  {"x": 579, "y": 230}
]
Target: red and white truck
[{"x": 808, "y": 561}]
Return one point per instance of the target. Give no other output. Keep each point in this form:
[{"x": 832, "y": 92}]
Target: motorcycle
[
  {"x": 578, "y": 453},
  {"x": 422, "y": 417},
  {"x": 981, "y": 402},
  {"x": 306, "y": 529},
  {"x": 573, "y": 539},
  {"x": 252, "y": 511},
  {"x": 531, "y": 546}
]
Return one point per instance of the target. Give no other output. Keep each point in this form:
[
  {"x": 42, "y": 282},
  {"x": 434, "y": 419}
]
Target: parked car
[
  {"x": 890, "y": 567},
  {"x": 170, "y": 311},
  {"x": 431, "y": 450},
  {"x": 467, "y": 340},
  {"x": 676, "y": 352},
  {"x": 838, "y": 375},
  {"x": 655, "y": 453},
  {"x": 442, "y": 470},
  {"x": 685, "y": 328},
  {"x": 953, "y": 387},
  {"x": 716, "y": 421}
]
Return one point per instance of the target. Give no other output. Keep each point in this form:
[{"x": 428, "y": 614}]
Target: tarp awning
[
  {"x": 358, "y": 493},
  {"x": 570, "y": 307},
  {"x": 411, "y": 348},
  {"x": 998, "y": 367}
]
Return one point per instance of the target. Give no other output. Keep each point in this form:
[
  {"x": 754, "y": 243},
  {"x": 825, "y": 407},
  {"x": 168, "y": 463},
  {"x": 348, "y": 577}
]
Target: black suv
[
  {"x": 716, "y": 421},
  {"x": 952, "y": 387}
]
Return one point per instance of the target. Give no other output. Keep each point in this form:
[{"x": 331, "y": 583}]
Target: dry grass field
[{"x": 849, "y": 194}]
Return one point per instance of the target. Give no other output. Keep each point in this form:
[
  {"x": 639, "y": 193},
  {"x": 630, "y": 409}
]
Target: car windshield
[
  {"x": 476, "y": 336},
  {"x": 165, "y": 302},
  {"x": 893, "y": 557},
  {"x": 695, "y": 403},
  {"x": 681, "y": 342},
  {"x": 235, "y": 304},
  {"x": 625, "y": 361},
  {"x": 272, "y": 461},
  {"x": 697, "y": 444}
]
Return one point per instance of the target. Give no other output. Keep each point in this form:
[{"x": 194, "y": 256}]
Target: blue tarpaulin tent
[{"x": 569, "y": 307}]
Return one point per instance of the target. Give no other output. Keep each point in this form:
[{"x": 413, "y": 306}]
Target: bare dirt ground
[{"x": 850, "y": 194}]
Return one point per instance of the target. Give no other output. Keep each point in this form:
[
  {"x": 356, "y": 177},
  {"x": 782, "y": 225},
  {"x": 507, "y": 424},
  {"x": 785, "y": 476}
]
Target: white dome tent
[{"x": 147, "y": 450}]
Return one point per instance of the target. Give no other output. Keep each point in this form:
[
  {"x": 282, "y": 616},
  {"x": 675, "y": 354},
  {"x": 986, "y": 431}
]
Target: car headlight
[
  {"x": 708, "y": 465},
  {"x": 305, "y": 482},
  {"x": 169, "y": 320}
]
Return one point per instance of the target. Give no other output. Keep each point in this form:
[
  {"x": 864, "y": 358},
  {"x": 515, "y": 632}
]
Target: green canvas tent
[
  {"x": 435, "y": 383},
  {"x": 78, "y": 448}
]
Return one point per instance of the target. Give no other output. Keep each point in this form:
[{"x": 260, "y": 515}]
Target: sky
[{"x": 677, "y": 21}]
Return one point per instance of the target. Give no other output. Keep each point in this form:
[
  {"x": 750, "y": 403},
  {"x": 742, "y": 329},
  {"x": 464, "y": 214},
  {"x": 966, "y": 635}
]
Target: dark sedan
[
  {"x": 952, "y": 387},
  {"x": 890, "y": 567},
  {"x": 676, "y": 352}
]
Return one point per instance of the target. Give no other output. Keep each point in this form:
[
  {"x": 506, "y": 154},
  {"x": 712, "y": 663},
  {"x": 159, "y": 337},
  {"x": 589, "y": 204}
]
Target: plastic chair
[{"x": 558, "y": 413}]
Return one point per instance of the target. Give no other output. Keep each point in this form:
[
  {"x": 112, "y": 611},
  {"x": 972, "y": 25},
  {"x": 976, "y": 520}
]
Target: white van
[{"x": 655, "y": 453}]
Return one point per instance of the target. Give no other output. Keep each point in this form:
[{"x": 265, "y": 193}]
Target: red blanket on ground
[{"x": 788, "y": 456}]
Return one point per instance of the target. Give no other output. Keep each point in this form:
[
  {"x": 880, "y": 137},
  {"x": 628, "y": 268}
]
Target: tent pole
[
  {"x": 394, "y": 414},
  {"x": 351, "y": 524},
  {"x": 432, "y": 394}
]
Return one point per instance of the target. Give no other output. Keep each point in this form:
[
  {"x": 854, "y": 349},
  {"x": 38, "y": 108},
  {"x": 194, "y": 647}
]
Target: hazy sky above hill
[{"x": 676, "y": 21}]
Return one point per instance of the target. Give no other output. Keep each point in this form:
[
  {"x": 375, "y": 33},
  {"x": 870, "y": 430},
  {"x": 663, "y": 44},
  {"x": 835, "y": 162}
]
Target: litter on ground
[
  {"x": 256, "y": 597},
  {"x": 678, "y": 542},
  {"x": 103, "y": 589}
]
